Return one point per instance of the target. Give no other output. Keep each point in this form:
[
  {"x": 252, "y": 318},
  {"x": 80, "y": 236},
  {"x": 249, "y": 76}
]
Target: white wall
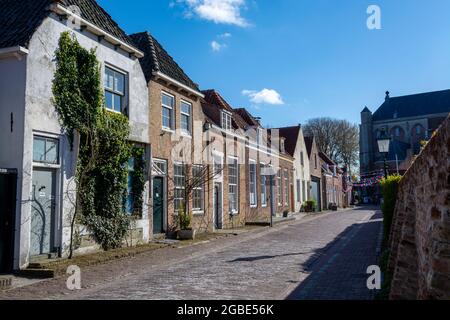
[
  {"x": 302, "y": 172},
  {"x": 41, "y": 117}
]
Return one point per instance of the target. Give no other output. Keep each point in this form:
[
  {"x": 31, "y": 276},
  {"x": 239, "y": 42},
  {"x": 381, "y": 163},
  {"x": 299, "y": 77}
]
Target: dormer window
[
  {"x": 226, "y": 121},
  {"x": 282, "y": 146}
]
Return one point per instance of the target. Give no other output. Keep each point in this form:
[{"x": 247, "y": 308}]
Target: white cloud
[
  {"x": 224, "y": 35},
  {"x": 216, "y": 46},
  {"x": 265, "y": 96},
  {"x": 218, "y": 11}
]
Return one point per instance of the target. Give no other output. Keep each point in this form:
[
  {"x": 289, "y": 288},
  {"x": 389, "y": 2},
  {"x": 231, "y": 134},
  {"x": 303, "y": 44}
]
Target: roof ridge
[
  {"x": 420, "y": 93},
  {"x": 153, "y": 51}
]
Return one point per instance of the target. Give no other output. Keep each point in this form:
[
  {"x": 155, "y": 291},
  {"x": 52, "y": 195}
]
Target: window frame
[
  {"x": 171, "y": 111},
  {"x": 254, "y": 181},
  {"x": 45, "y": 139},
  {"x": 263, "y": 185},
  {"x": 201, "y": 188},
  {"x": 233, "y": 161},
  {"x": 176, "y": 187},
  {"x": 280, "y": 188},
  {"x": 113, "y": 90},
  {"x": 286, "y": 187},
  {"x": 226, "y": 121},
  {"x": 187, "y": 132}
]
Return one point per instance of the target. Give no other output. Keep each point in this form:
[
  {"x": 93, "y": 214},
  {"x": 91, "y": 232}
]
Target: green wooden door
[{"x": 158, "y": 205}]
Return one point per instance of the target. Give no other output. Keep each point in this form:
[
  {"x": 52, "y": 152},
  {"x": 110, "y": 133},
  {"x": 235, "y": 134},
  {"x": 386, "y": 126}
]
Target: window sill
[
  {"x": 186, "y": 135},
  {"x": 168, "y": 130},
  {"x": 254, "y": 206},
  {"x": 113, "y": 111},
  {"x": 234, "y": 213}
]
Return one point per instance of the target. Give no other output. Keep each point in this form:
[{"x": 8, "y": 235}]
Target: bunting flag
[{"x": 369, "y": 182}]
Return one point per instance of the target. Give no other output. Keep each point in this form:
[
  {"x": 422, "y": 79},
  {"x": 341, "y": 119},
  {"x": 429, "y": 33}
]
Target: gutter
[
  {"x": 17, "y": 52},
  {"x": 161, "y": 75},
  {"x": 62, "y": 11}
]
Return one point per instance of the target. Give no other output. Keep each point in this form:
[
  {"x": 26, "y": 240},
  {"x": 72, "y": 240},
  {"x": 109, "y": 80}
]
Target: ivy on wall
[
  {"x": 138, "y": 180},
  {"x": 103, "y": 150}
]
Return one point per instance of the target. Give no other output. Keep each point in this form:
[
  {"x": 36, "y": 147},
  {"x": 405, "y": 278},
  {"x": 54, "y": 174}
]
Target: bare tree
[{"x": 339, "y": 139}]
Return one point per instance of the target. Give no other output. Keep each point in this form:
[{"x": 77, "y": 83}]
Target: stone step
[
  {"x": 5, "y": 282},
  {"x": 37, "y": 273}
]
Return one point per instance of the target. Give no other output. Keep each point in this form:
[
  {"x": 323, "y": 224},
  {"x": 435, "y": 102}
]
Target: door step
[
  {"x": 37, "y": 273},
  {"x": 5, "y": 282}
]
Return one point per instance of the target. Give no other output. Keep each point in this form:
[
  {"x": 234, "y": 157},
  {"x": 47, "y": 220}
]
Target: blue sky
[{"x": 313, "y": 57}]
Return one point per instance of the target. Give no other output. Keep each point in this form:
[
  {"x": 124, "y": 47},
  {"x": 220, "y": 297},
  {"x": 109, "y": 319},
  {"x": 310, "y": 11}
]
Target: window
[
  {"x": 299, "y": 199},
  {"x": 263, "y": 180},
  {"x": 45, "y": 150},
  {"x": 168, "y": 104},
  {"x": 114, "y": 83},
  {"x": 252, "y": 183},
  {"x": 286, "y": 187},
  {"x": 282, "y": 147},
  {"x": 302, "y": 159},
  {"x": 226, "y": 121},
  {"x": 315, "y": 161},
  {"x": 218, "y": 166},
  {"x": 186, "y": 109},
  {"x": 233, "y": 185},
  {"x": 159, "y": 167},
  {"x": 198, "y": 195},
  {"x": 279, "y": 188},
  {"x": 304, "y": 190},
  {"x": 179, "y": 177}
]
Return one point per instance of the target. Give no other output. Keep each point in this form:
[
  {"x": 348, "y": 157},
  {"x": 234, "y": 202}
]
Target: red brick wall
[{"x": 420, "y": 237}]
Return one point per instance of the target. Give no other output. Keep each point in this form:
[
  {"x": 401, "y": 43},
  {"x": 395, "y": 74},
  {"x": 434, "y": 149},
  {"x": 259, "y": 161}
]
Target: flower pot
[
  {"x": 285, "y": 214},
  {"x": 187, "y": 234}
]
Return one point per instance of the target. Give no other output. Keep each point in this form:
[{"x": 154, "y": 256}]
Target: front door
[
  {"x": 315, "y": 193},
  {"x": 43, "y": 212},
  {"x": 7, "y": 213},
  {"x": 158, "y": 205},
  {"x": 218, "y": 218}
]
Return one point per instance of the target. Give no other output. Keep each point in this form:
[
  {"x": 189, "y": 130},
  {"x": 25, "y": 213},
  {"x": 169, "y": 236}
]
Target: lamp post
[{"x": 383, "y": 146}]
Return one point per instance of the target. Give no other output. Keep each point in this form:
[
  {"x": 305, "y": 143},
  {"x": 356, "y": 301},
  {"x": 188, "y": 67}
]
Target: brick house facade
[
  {"x": 317, "y": 187},
  {"x": 176, "y": 120}
]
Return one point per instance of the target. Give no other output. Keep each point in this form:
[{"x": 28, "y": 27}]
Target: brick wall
[{"x": 420, "y": 237}]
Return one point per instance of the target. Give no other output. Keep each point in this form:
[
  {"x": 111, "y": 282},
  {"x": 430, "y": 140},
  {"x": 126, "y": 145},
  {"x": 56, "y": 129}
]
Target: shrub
[
  {"x": 184, "y": 218},
  {"x": 389, "y": 190},
  {"x": 310, "y": 205}
]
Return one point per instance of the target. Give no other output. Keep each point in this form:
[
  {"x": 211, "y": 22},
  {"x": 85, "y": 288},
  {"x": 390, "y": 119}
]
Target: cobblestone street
[{"x": 318, "y": 257}]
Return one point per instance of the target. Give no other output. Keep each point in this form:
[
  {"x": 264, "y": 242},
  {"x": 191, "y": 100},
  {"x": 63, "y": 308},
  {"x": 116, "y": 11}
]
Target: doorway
[
  {"x": 158, "y": 205},
  {"x": 43, "y": 212},
  {"x": 315, "y": 194},
  {"x": 218, "y": 208},
  {"x": 8, "y": 184}
]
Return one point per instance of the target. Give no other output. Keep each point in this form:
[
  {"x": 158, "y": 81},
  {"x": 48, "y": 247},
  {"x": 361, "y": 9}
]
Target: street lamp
[{"x": 383, "y": 146}]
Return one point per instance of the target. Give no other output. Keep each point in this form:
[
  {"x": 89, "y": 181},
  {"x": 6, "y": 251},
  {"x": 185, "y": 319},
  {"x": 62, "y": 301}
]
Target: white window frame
[
  {"x": 175, "y": 187},
  {"x": 123, "y": 94},
  {"x": 201, "y": 188},
  {"x": 253, "y": 202},
  {"x": 280, "y": 187},
  {"x": 172, "y": 111},
  {"x": 233, "y": 161},
  {"x": 189, "y": 116},
  {"x": 286, "y": 186},
  {"x": 263, "y": 185},
  {"x": 227, "y": 121}
]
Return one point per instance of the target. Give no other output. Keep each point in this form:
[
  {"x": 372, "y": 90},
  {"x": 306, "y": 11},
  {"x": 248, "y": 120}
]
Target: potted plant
[
  {"x": 285, "y": 213},
  {"x": 184, "y": 218},
  {"x": 310, "y": 206}
]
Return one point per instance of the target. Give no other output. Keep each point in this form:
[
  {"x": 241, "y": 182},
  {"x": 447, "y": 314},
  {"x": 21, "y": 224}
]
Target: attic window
[
  {"x": 282, "y": 146},
  {"x": 395, "y": 115},
  {"x": 226, "y": 121}
]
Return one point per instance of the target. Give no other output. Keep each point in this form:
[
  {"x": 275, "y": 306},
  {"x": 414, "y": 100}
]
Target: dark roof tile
[
  {"x": 20, "y": 19},
  {"x": 158, "y": 59}
]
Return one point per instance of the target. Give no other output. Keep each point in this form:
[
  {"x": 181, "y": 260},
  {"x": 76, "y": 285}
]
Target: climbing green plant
[
  {"x": 103, "y": 149},
  {"x": 138, "y": 180}
]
